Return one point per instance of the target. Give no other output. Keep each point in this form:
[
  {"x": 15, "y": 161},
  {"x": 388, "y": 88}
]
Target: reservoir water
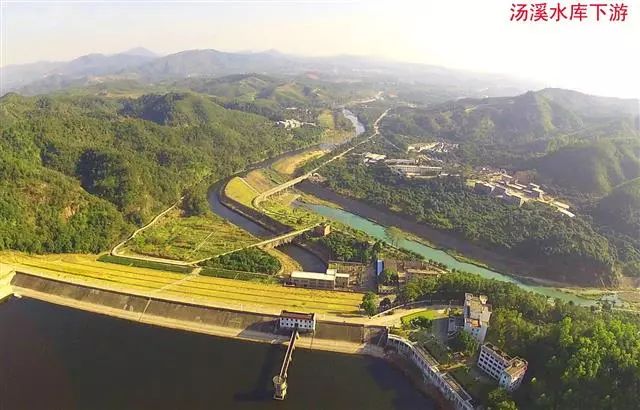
[{"x": 54, "y": 357}]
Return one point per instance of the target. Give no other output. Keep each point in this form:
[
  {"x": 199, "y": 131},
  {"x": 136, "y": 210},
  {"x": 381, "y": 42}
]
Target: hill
[
  {"x": 591, "y": 167},
  {"x": 514, "y": 122},
  {"x": 620, "y": 209},
  {"x": 102, "y": 163}
]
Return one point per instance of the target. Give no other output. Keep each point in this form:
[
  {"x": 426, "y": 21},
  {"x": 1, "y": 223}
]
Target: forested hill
[
  {"x": 77, "y": 172},
  {"x": 590, "y": 167},
  {"x": 521, "y": 120}
]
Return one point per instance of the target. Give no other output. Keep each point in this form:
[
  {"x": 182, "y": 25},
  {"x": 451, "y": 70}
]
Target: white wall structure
[
  {"x": 451, "y": 390},
  {"x": 306, "y": 322}
]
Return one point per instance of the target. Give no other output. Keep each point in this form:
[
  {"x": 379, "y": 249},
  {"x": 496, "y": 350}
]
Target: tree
[
  {"x": 369, "y": 304},
  {"x": 499, "y": 399},
  {"x": 393, "y": 235},
  {"x": 385, "y": 304},
  {"x": 388, "y": 276},
  {"x": 465, "y": 342},
  {"x": 194, "y": 202}
]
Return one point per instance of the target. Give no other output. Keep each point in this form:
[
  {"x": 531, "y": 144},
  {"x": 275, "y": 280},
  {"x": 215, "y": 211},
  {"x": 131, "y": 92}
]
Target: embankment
[
  {"x": 257, "y": 327},
  {"x": 261, "y": 219}
]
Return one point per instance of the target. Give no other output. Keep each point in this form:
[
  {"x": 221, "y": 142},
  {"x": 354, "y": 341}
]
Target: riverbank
[{"x": 444, "y": 241}]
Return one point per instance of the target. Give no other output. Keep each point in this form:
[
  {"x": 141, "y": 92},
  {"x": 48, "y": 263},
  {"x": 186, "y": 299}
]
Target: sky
[{"x": 596, "y": 57}]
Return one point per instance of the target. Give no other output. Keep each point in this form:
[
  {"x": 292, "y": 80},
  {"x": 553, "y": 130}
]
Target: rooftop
[
  {"x": 515, "y": 365},
  {"x": 297, "y": 315},
  {"x": 313, "y": 275}
]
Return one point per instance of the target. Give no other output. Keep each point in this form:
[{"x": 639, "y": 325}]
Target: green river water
[{"x": 378, "y": 231}]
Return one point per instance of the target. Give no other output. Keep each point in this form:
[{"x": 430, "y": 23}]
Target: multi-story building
[
  {"x": 305, "y": 322},
  {"x": 477, "y": 313},
  {"x": 508, "y": 371}
]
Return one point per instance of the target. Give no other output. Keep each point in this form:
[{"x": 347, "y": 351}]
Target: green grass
[
  {"x": 239, "y": 191},
  {"x": 238, "y": 275},
  {"x": 429, "y": 314},
  {"x": 145, "y": 264},
  {"x": 297, "y": 218},
  {"x": 191, "y": 238},
  {"x": 438, "y": 351},
  {"x": 479, "y": 389}
]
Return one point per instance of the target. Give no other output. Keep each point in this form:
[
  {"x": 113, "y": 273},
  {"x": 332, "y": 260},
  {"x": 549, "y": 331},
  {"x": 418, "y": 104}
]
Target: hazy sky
[{"x": 597, "y": 57}]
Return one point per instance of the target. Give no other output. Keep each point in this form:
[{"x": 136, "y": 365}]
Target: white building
[
  {"x": 421, "y": 146},
  {"x": 305, "y": 322},
  {"x": 508, "y": 371},
  {"x": 319, "y": 280},
  {"x": 371, "y": 157},
  {"x": 476, "y": 316},
  {"x": 412, "y": 171}
]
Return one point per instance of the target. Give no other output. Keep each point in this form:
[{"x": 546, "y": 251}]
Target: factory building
[
  {"x": 331, "y": 279},
  {"x": 412, "y": 171}
]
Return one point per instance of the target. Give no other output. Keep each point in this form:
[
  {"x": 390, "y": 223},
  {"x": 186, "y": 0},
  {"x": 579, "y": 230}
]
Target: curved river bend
[{"x": 307, "y": 260}]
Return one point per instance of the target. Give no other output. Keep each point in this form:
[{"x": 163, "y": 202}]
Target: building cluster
[
  {"x": 439, "y": 147},
  {"x": 508, "y": 371},
  {"x": 330, "y": 279},
  {"x": 514, "y": 193},
  {"x": 292, "y": 123}
]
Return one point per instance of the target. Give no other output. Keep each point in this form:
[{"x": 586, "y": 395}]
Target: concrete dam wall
[{"x": 176, "y": 314}]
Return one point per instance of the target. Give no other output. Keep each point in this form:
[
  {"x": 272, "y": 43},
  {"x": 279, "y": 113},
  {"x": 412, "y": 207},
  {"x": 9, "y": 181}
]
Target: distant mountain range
[{"x": 145, "y": 66}]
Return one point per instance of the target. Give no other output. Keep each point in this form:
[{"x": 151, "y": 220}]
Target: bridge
[
  {"x": 266, "y": 244},
  {"x": 280, "y": 380},
  {"x": 263, "y": 196}
]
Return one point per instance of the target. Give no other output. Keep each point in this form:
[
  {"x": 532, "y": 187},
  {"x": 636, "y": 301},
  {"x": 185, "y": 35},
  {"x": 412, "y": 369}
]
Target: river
[
  {"x": 53, "y": 357},
  {"x": 378, "y": 231},
  {"x": 307, "y": 260}
]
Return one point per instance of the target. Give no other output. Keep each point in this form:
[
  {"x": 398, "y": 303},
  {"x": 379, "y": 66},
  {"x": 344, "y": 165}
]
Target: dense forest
[
  {"x": 78, "y": 171},
  {"x": 248, "y": 260},
  {"x": 556, "y": 246},
  {"x": 579, "y": 358}
]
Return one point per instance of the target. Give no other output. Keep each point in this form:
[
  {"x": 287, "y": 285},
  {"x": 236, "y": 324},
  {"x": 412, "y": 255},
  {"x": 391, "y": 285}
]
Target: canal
[{"x": 53, "y": 357}]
